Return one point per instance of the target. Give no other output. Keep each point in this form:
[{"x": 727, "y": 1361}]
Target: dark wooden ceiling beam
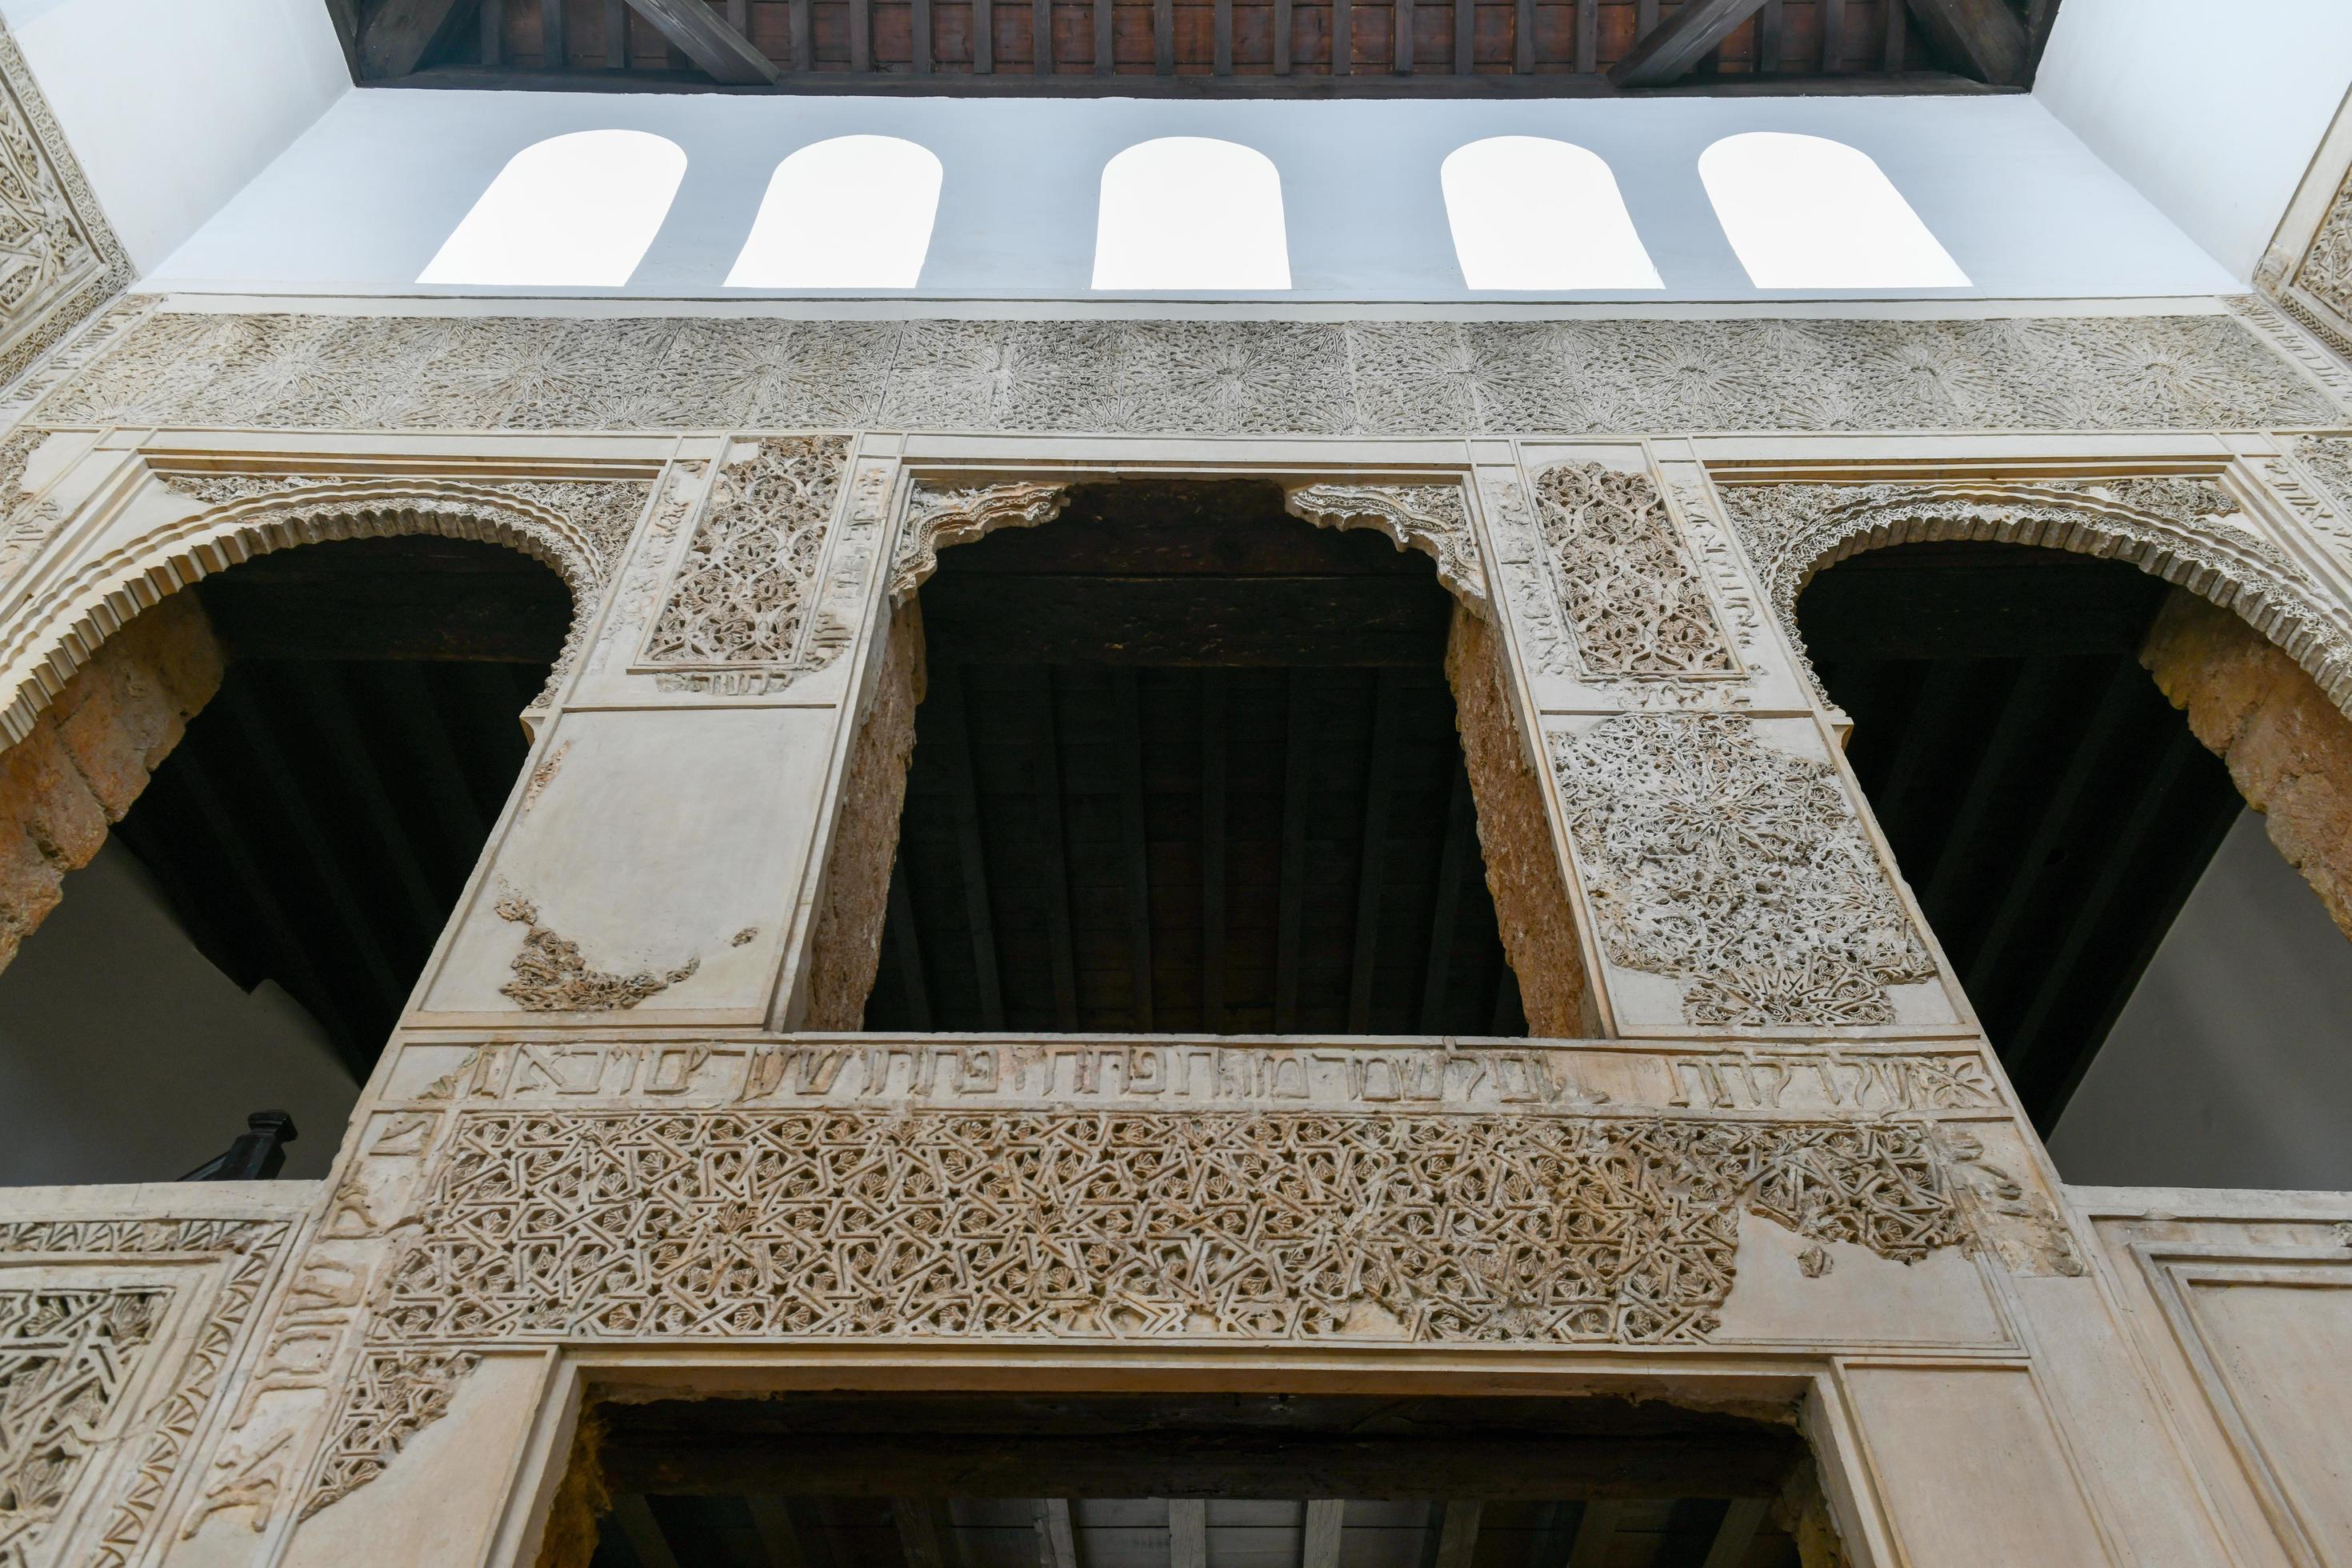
[
  {"x": 1670, "y": 51},
  {"x": 2023, "y": 1052},
  {"x": 643, "y": 1532},
  {"x": 1207, "y": 1464},
  {"x": 554, "y": 41},
  {"x": 1742, "y": 1518},
  {"x": 954, "y": 727},
  {"x": 702, "y": 35},
  {"x": 1465, "y": 36},
  {"x": 616, "y": 35},
  {"x": 1290, "y": 899},
  {"x": 1046, "y": 787},
  {"x": 329, "y": 705},
  {"x": 1106, "y": 59},
  {"x": 1453, "y": 867},
  {"x": 907, "y": 950},
  {"x": 1985, "y": 34},
  {"x": 301, "y": 973},
  {"x": 1040, "y": 36},
  {"x": 1212, "y": 851},
  {"x": 397, "y": 35},
  {"x": 1128, "y": 736},
  {"x": 2058, "y": 818},
  {"x": 1595, "y": 1532},
  {"x": 1371, "y": 860},
  {"x": 325, "y": 859}
]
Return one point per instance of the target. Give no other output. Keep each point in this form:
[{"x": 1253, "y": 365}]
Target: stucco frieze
[{"x": 412, "y": 371}]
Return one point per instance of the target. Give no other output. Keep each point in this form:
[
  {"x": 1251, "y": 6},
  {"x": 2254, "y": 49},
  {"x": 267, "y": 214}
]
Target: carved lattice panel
[
  {"x": 748, "y": 586},
  {"x": 1547, "y": 1229},
  {"x": 66, "y": 1358}
]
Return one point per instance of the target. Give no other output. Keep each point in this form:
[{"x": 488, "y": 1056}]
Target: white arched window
[
  {"x": 1528, "y": 212},
  {"x": 571, "y": 212},
  {"x": 1804, "y": 212},
  {"x": 1190, "y": 212},
  {"x": 854, "y": 212}
]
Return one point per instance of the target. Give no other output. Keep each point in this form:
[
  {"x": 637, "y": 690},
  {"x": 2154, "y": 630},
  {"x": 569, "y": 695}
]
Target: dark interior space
[
  {"x": 845, "y": 1480},
  {"x": 1188, "y": 765},
  {"x": 2049, "y": 806},
  {"x": 317, "y": 822}
]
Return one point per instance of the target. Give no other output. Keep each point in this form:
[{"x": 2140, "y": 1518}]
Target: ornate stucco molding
[
  {"x": 750, "y": 592},
  {"x": 2164, "y": 526},
  {"x": 1625, "y": 586},
  {"x": 1736, "y": 869},
  {"x": 163, "y": 1434},
  {"x": 79, "y": 615},
  {"x": 59, "y": 260},
  {"x": 1448, "y": 378},
  {"x": 938, "y": 519},
  {"x": 1431, "y": 518}
]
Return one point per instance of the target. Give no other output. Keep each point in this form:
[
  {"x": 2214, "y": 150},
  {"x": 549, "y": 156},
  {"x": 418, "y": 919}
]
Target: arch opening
[
  {"x": 234, "y": 837},
  {"x": 1183, "y": 764},
  {"x": 1190, "y": 212},
  {"x": 799, "y": 239},
  {"x": 1537, "y": 214},
  {"x": 2137, "y": 954},
  {"x": 576, "y": 211},
  {"x": 1805, "y": 212}
]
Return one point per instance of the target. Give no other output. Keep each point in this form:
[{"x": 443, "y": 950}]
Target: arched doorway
[
  {"x": 244, "y": 817},
  {"x": 2162, "y": 986}
]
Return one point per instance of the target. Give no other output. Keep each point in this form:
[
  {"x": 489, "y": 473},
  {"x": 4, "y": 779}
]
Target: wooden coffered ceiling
[{"x": 1194, "y": 48}]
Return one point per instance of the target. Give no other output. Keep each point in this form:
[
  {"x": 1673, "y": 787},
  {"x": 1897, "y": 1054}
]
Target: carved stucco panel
[
  {"x": 66, "y": 1356},
  {"x": 1572, "y": 1230},
  {"x": 1195, "y": 377},
  {"x": 1736, "y": 869},
  {"x": 746, "y": 592},
  {"x": 2325, "y": 270},
  {"x": 59, "y": 260}
]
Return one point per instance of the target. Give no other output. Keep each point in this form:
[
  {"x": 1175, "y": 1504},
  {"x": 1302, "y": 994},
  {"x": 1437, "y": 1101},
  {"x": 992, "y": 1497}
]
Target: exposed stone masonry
[
  {"x": 91, "y": 751},
  {"x": 2288, "y": 748}
]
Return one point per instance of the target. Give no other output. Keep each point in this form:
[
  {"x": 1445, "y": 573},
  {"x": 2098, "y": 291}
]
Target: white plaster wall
[
  {"x": 173, "y": 105},
  {"x": 2232, "y": 1064},
  {"x": 126, "y": 1056},
  {"x": 2214, "y": 114},
  {"x": 2020, "y": 204}
]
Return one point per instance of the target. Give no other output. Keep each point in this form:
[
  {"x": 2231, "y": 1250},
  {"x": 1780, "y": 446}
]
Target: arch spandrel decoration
[
  {"x": 1432, "y": 517},
  {"x": 286, "y": 511},
  {"x": 2161, "y": 525}
]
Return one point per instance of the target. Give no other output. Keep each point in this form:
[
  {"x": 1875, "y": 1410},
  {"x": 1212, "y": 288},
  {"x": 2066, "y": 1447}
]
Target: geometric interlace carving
[
  {"x": 1626, "y": 582},
  {"x": 64, "y": 1358},
  {"x": 854, "y": 1222},
  {"x": 744, "y": 592},
  {"x": 1737, "y": 870},
  {"x": 2325, "y": 270}
]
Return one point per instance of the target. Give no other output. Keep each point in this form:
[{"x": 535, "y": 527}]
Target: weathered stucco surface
[
  {"x": 1522, "y": 863},
  {"x": 846, "y": 948}
]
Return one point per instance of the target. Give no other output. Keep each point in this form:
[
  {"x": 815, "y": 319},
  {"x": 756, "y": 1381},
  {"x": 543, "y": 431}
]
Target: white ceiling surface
[
  {"x": 2213, "y": 110},
  {"x": 172, "y": 106},
  {"x": 362, "y": 199}
]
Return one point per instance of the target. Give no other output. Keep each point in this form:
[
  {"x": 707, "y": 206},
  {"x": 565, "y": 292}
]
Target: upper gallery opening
[
  {"x": 1457, "y": 48},
  {"x": 1184, "y": 762}
]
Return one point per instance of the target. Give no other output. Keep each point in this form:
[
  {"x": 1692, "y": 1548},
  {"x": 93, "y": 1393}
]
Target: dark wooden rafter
[
  {"x": 399, "y": 34},
  {"x": 1577, "y": 48},
  {"x": 704, "y": 37},
  {"x": 1046, "y": 787},
  {"x": 906, "y": 951},
  {"x": 1212, "y": 852},
  {"x": 1986, "y": 34},
  {"x": 1380, "y": 778},
  {"x": 1673, "y": 48},
  {"x": 1134, "y": 844},
  {"x": 947, "y": 690},
  {"x": 351, "y": 911},
  {"x": 1297, "y": 760},
  {"x": 1460, "y": 855}
]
